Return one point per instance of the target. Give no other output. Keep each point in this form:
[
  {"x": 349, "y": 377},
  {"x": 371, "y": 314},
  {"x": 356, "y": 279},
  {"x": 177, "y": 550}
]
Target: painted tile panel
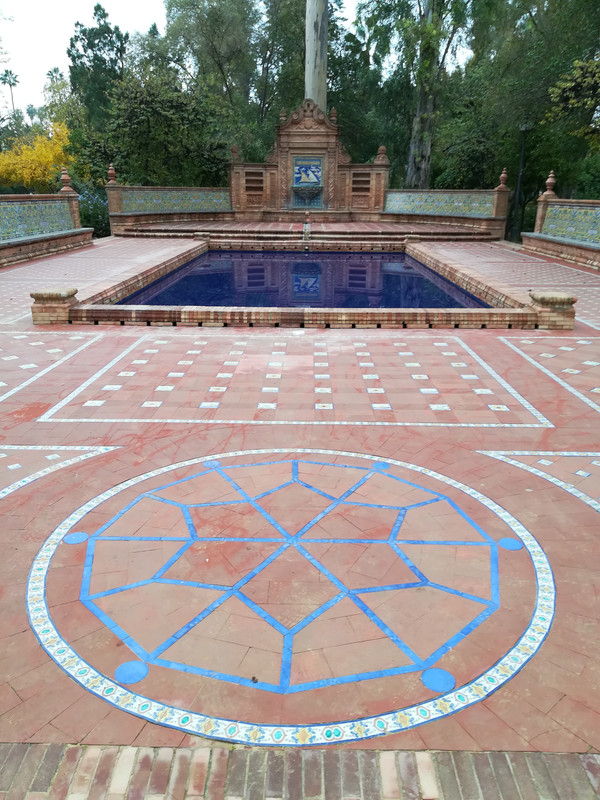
[
  {"x": 163, "y": 200},
  {"x": 33, "y": 218},
  {"x": 439, "y": 203}
]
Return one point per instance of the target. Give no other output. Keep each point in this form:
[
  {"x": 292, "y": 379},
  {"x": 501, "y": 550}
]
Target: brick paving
[
  {"x": 38, "y": 771},
  {"x": 510, "y": 415}
]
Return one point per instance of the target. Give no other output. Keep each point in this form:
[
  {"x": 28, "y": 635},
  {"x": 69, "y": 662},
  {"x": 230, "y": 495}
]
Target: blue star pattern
[{"x": 280, "y": 542}]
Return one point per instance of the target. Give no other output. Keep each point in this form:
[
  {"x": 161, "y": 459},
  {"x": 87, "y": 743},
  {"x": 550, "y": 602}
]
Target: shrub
[{"x": 93, "y": 210}]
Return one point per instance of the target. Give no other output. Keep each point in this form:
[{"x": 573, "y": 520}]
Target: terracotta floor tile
[{"x": 228, "y": 624}]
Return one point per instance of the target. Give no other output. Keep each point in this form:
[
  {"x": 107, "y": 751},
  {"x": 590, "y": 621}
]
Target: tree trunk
[
  {"x": 315, "y": 75},
  {"x": 419, "y": 157}
]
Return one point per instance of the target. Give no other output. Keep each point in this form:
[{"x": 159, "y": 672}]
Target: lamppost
[{"x": 514, "y": 230}]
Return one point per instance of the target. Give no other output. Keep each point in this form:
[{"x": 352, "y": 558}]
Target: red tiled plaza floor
[{"x": 287, "y": 529}]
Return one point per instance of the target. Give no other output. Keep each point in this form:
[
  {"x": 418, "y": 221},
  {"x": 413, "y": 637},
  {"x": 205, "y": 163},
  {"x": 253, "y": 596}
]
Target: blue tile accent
[
  {"x": 510, "y": 544},
  {"x": 131, "y": 672},
  {"x": 438, "y": 680},
  {"x": 76, "y": 537},
  {"x": 294, "y": 540}
]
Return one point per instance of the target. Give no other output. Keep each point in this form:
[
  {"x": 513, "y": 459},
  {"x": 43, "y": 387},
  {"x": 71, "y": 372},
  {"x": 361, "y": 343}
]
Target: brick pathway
[{"x": 38, "y": 771}]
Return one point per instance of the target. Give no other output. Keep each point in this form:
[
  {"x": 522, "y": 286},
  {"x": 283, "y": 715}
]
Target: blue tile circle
[
  {"x": 438, "y": 680},
  {"x": 131, "y": 672},
  {"x": 76, "y": 537},
  {"x": 510, "y": 544}
]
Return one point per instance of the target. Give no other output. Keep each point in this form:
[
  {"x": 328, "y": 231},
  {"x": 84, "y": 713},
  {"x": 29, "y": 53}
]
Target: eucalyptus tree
[
  {"x": 424, "y": 36},
  {"x": 212, "y": 42}
]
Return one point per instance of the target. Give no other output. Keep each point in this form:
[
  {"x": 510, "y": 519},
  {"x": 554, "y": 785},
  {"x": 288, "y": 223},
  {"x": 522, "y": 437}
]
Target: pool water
[{"x": 306, "y": 279}]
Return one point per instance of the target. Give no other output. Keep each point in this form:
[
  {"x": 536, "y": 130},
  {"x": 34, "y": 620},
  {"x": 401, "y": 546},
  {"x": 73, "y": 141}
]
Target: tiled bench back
[
  {"x": 576, "y": 223},
  {"x": 445, "y": 204},
  {"x": 158, "y": 201},
  {"x": 22, "y": 218}
]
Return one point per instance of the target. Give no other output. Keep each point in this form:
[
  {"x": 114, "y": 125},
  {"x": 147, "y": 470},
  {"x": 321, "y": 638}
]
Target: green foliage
[
  {"x": 446, "y": 85},
  {"x": 8, "y": 78},
  {"x": 578, "y": 95},
  {"x": 211, "y": 41},
  {"x": 93, "y": 209},
  {"x": 519, "y": 55},
  {"x": 162, "y": 135},
  {"x": 97, "y": 57}
]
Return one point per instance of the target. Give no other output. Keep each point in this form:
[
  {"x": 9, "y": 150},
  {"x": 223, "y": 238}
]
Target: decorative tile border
[
  {"x": 32, "y": 217},
  {"x": 161, "y": 201},
  {"x": 549, "y": 373},
  {"x": 446, "y": 204},
  {"x": 58, "y": 363},
  {"x": 505, "y": 455},
  {"x": 541, "y": 420},
  {"x": 573, "y": 223},
  {"x": 87, "y": 452},
  {"x": 291, "y": 735}
]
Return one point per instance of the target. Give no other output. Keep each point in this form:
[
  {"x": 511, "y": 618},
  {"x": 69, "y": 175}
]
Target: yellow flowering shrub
[{"x": 36, "y": 165}]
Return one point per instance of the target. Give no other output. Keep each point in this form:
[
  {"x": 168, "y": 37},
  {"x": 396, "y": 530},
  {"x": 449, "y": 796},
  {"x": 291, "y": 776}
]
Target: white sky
[
  {"x": 35, "y": 35},
  {"x": 37, "y": 38}
]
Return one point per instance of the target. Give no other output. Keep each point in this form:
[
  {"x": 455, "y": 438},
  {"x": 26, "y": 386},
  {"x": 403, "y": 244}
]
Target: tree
[
  {"x": 279, "y": 76},
  {"x": 212, "y": 42},
  {"x": 519, "y": 54},
  {"x": 161, "y": 134},
  {"x": 97, "y": 57},
  {"x": 36, "y": 165},
  {"x": 425, "y": 34},
  {"x": 8, "y": 78},
  {"x": 578, "y": 94}
]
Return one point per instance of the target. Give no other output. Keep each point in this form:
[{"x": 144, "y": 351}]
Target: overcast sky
[{"x": 35, "y": 35}]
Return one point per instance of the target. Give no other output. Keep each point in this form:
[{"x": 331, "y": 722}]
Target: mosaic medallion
[{"x": 283, "y": 596}]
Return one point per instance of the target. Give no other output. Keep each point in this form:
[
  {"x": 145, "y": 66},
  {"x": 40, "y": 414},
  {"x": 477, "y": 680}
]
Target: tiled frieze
[
  {"x": 447, "y": 204},
  {"x": 175, "y": 200},
  {"x": 578, "y": 223},
  {"x": 30, "y": 217}
]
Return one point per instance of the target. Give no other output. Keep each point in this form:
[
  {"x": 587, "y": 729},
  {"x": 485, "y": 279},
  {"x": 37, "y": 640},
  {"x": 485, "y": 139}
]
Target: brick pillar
[
  {"x": 52, "y": 306},
  {"x": 501, "y": 197},
  {"x": 72, "y": 198},
  {"x": 555, "y": 310},
  {"x": 114, "y": 195},
  {"x": 382, "y": 175},
  {"x": 542, "y": 202}
]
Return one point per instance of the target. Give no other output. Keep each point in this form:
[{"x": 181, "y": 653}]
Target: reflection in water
[{"x": 329, "y": 280}]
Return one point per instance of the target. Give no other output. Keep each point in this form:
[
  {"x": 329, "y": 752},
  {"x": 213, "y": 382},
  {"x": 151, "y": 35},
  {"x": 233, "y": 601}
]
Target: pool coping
[{"x": 510, "y": 309}]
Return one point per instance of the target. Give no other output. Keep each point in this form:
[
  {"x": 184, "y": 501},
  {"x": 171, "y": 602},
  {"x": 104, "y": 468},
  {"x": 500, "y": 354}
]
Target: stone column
[{"x": 315, "y": 71}]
